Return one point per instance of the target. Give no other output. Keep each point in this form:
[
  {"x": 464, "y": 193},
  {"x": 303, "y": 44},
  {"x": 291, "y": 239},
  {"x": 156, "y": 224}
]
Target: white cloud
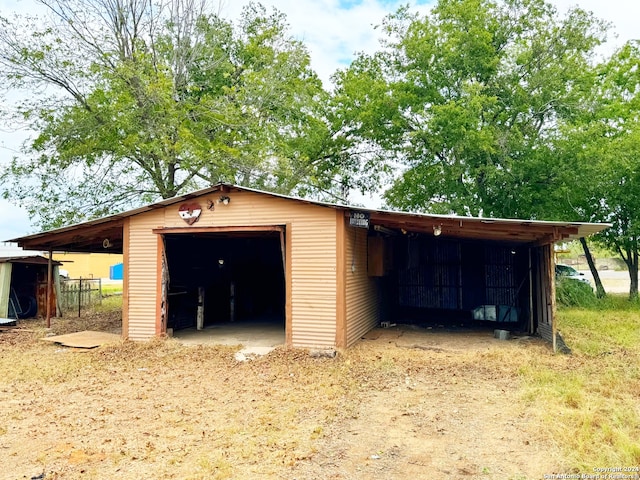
[
  {"x": 14, "y": 221},
  {"x": 622, "y": 14},
  {"x": 333, "y": 31}
]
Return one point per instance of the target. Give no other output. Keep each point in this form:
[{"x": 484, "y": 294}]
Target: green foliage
[
  {"x": 501, "y": 109},
  {"x": 602, "y": 144},
  {"x": 574, "y": 293},
  {"x": 575, "y": 250},
  {"x": 468, "y": 100},
  {"x": 168, "y": 98}
]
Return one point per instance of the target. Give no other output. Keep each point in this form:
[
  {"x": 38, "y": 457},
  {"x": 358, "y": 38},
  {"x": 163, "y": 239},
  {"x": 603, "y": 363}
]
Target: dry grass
[
  {"x": 589, "y": 402},
  {"x": 268, "y": 417},
  {"x": 134, "y": 410}
]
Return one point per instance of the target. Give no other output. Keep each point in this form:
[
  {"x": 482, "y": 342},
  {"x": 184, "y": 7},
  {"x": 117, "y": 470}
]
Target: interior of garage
[
  {"x": 237, "y": 278},
  {"x": 445, "y": 282}
]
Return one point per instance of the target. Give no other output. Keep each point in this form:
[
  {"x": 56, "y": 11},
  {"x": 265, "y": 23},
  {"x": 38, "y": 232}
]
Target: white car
[{"x": 565, "y": 271}]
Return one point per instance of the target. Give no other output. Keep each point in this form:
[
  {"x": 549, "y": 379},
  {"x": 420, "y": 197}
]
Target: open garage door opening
[
  {"x": 449, "y": 283},
  {"x": 225, "y": 279}
]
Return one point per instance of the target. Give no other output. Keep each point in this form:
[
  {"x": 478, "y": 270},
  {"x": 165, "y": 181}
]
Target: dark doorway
[
  {"x": 24, "y": 289},
  {"x": 238, "y": 277}
]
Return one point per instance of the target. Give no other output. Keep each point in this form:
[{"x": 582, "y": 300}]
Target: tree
[
  {"x": 601, "y": 150},
  {"x": 468, "y": 99},
  {"x": 134, "y": 101}
]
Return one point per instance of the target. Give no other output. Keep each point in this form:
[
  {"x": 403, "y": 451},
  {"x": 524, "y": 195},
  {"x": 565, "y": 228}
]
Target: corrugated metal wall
[
  {"x": 142, "y": 272},
  {"x": 500, "y": 276},
  {"x": 362, "y": 296},
  {"x": 430, "y": 274},
  {"x": 313, "y": 282},
  {"x": 454, "y": 275},
  {"x": 313, "y": 259}
]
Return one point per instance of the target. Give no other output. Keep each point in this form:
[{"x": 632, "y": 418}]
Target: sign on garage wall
[{"x": 359, "y": 219}]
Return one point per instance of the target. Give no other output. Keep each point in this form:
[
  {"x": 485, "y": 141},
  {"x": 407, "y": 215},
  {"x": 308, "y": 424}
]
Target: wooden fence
[{"x": 79, "y": 293}]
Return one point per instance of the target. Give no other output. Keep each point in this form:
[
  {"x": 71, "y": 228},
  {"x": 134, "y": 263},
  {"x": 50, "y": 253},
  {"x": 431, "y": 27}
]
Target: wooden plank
[
  {"x": 221, "y": 229},
  {"x": 488, "y": 229},
  {"x": 126, "y": 241},
  {"x": 160, "y": 328},
  {"x": 91, "y": 240},
  {"x": 282, "y": 251},
  {"x": 85, "y": 339},
  {"x": 49, "y": 289},
  {"x": 552, "y": 294},
  {"x": 531, "y": 290},
  {"x": 539, "y": 293},
  {"x": 288, "y": 306}
]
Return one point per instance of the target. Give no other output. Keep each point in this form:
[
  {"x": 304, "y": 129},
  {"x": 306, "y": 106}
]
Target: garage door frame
[{"x": 285, "y": 243}]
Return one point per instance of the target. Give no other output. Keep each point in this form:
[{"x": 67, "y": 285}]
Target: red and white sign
[{"x": 190, "y": 212}]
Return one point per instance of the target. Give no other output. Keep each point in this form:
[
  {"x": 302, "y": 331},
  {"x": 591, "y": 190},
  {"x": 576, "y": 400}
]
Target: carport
[{"x": 449, "y": 270}]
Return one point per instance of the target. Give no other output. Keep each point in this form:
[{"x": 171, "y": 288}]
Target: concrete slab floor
[{"x": 248, "y": 334}]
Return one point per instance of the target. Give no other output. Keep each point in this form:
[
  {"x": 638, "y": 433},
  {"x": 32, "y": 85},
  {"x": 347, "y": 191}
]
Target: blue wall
[{"x": 116, "y": 271}]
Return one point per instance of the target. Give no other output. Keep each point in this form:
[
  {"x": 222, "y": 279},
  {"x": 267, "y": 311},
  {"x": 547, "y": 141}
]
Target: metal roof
[
  {"x": 89, "y": 236},
  {"x": 29, "y": 260}
]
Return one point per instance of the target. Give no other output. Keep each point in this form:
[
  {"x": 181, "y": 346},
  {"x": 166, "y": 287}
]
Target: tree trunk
[
  {"x": 633, "y": 274},
  {"x": 631, "y": 260},
  {"x": 600, "y": 293}
]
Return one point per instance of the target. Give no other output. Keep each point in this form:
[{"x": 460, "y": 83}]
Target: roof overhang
[
  {"x": 105, "y": 235},
  {"x": 97, "y": 236},
  {"x": 530, "y": 232},
  {"x": 29, "y": 260}
]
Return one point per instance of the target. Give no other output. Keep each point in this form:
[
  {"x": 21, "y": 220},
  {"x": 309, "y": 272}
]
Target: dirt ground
[{"x": 403, "y": 403}]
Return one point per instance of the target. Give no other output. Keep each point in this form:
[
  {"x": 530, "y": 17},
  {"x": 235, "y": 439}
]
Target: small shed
[
  {"x": 23, "y": 286},
  {"x": 325, "y": 274}
]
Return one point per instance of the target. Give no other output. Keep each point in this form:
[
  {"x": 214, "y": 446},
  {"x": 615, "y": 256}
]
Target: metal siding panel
[
  {"x": 313, "y": 260},
  {"x": 313, "y": 281},
  {"x": 432, "y": 276},
  {"x": 142, "y": 274},
  {"x": 5, "y": 288},
  {"x": 363, "y": 299}
]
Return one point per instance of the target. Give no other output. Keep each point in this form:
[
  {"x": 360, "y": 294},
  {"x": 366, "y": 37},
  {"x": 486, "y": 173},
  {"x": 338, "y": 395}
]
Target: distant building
[
  {"x": 23, "y": 283},
  {"x": 87, "y": 265}
]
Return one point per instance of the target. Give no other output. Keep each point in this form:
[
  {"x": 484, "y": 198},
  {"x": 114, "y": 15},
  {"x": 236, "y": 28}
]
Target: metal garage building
[{"x": 326, "y": 273}]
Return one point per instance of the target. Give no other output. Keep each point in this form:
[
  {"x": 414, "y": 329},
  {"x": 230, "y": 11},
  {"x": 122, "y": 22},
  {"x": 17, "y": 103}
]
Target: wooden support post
[
  {"x": 552, "y": 283},
  {"x": 200, "y": 314},
  {"x": 79, "y": 296},
  {"x": 49, "y": 287},
  {"x": 283, "y": 251},
  {"x": 532, "y": 329}
]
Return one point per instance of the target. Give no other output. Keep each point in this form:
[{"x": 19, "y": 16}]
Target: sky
[{"x": 333, "y": 31}]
